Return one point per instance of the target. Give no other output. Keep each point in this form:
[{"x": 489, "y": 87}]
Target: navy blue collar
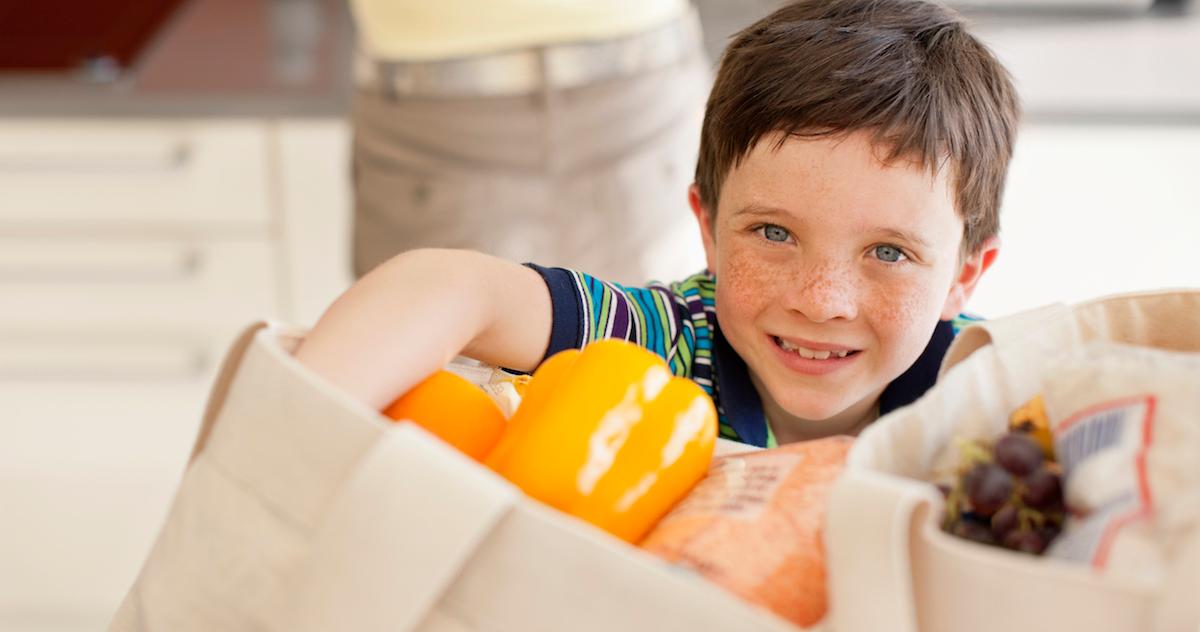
[{"x": 743, "y": 408}]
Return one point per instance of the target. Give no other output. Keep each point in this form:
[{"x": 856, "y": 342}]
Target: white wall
[{"x": 1094, "y": 210}]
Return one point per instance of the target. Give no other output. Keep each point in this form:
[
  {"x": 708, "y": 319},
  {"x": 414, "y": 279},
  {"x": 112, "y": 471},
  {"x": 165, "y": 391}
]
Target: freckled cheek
[
  {"x": 748, "y": 283},
  {"x": 902, "y": 308}
]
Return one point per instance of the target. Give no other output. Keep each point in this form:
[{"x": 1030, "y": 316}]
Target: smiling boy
[{"x": 851, "y": 168}]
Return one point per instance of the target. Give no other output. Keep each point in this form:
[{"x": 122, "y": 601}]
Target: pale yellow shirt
[{"x": 447, "y": 29}]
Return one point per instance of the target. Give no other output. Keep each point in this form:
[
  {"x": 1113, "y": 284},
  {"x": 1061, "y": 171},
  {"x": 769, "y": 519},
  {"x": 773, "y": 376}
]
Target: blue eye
[
  {"x": 889, "y": 254},
  {"x": 774, "y": 233}
]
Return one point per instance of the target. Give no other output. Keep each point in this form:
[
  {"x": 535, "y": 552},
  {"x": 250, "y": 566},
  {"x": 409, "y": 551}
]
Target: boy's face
[{"x": 832, "y": 271}]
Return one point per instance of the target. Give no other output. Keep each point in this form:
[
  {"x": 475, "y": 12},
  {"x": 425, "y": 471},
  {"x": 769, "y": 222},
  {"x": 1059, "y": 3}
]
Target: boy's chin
[{"x": 815, "y": 412}]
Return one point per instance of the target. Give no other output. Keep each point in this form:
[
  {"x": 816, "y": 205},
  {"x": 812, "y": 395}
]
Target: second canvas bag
[{"x": 1131, "y": 362}]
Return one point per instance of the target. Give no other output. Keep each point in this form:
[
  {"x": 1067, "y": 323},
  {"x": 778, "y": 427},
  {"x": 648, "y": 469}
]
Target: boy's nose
[{"x": 824, "y": 293}]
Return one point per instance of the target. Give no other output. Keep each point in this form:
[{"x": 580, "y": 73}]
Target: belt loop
[
  {"x": 550, "y": 101},
  {"x": 385, "y": 75}
]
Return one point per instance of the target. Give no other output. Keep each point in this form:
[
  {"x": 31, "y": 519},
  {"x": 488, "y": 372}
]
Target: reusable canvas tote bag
[
  {"x": 891, "y": 566},
  {"x": 303, "y": 510}
]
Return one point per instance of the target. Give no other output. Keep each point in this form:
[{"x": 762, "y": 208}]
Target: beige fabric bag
[
  {"x": 892, "y": 568},
  {"x": 303, "y": 510}
]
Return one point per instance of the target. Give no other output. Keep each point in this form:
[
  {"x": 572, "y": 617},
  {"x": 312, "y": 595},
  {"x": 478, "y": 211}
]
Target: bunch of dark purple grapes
[{"x": 1007, "y": 493}]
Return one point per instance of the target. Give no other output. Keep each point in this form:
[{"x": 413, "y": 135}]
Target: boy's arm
[{"x": 413, "y": 314}]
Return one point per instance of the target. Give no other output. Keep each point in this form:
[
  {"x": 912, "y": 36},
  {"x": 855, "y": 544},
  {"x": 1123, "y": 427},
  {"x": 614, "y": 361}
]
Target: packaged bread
[
  {"x": 754, "y": 526},
  {"x": 1127, "y": 430}
]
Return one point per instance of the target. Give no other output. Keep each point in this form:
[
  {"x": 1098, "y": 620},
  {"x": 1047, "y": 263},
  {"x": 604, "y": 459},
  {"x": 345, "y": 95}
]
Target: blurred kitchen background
[{"x": 172, "y": 170}]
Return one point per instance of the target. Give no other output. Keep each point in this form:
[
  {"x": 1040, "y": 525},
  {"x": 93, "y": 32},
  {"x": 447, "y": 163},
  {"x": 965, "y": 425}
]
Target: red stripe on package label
[{"x": 1125, "y": 424}]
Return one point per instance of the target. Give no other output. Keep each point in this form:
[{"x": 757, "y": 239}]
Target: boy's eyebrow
[
  {"x": 902, "y": 235},
  {"x": 759, "y": 209}
]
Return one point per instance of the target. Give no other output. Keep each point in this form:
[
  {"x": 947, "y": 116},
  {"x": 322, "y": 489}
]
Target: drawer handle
[
  {"x": 174, "y": 157},
  {"x": 100, "y": 361},
  {"x": 59, "y": 264}
]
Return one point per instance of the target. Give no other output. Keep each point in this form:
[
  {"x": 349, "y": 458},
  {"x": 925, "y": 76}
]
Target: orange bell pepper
[
  {"x": 608, "y": 435},
  {"x": 1031, "y": 418},
  {"x": 454, "y": 410}
]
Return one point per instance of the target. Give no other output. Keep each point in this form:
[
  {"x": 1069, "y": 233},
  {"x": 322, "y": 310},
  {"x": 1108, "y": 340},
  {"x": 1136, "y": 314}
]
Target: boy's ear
[
  {"x": 704, "y": 219},
  {"x": 969, "y": 273}
]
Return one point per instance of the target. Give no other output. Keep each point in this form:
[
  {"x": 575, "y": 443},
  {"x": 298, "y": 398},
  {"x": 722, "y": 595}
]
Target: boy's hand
[{"x": 410, "y": 316}]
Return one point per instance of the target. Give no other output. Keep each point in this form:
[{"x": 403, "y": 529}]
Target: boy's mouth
[{"x": 822, "y": 352}]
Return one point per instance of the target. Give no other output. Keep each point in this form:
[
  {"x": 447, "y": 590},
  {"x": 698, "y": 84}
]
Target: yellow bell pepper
[{"x": 608, "y": 435}]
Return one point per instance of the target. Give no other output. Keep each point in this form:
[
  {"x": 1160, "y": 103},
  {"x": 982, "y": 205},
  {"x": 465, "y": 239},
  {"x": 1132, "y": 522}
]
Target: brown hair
[{"x": 906, "y": 69}]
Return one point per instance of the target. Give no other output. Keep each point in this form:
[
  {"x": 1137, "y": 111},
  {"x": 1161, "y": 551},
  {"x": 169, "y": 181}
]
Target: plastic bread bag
[
  {"x": 505, "y": 388},
  {"x": 754, "y": 526},
  {"x": 1126, "y": 424}
]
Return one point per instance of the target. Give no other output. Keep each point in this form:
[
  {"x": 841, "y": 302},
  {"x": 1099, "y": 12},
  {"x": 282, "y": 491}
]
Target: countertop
[
  {"x": 222, "y": 58},
  {"x": 1103, "y": 67},
  {"x": 1082, "y": 65},
  {"x": 293, "y": 58}
]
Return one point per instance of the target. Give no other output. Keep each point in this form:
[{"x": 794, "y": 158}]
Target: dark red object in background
[{"x": 49, "y": 35}]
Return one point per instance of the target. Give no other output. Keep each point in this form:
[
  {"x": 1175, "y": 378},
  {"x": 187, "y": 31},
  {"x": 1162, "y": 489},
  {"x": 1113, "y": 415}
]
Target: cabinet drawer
[
  {"x": 112, "y": 285},
  {"x": 84, "y": 174}
]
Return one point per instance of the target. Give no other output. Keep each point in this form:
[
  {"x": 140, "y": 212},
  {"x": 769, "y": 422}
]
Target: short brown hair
[{"x": 907, "y": 70}]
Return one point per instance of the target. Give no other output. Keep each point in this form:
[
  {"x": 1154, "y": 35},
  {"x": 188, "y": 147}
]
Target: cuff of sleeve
[{"x": 566, "y": 329}]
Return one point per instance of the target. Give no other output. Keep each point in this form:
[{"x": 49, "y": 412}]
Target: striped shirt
[{"x": 678, "y": 321}]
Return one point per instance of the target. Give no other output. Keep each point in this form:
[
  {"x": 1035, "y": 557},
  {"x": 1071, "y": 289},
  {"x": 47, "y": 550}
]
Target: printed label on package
[
  {"x": 739, "y": 487},
  {"x": 1102, "y": 450}
]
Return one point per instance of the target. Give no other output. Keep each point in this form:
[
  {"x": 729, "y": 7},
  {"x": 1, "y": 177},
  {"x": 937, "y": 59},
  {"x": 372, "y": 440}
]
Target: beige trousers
[{"x": 594, "y": 177}]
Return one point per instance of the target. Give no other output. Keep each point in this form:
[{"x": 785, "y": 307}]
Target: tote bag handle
[
  {"x": 1019, "y": 337},
  {"x": 869, "y": 519},
  {"x": 1164, "y": 319}
]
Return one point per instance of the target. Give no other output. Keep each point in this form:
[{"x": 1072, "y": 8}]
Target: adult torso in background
[
  {"x": 558, "y": 131},
  {"x": 421, "y": 29}
]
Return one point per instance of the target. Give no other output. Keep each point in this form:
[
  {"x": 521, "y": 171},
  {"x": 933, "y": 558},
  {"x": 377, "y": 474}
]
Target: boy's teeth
[{"x": 809, "y": 353}]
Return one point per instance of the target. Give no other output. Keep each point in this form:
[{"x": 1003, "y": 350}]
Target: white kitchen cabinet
[
  {"x": 80, "y": 285},
  {"x": 315, "y": 189},
  {"x": 134, "y": 177},
  {"x": 87, "y": 470},
  {"x": 131, "y": 253}
]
